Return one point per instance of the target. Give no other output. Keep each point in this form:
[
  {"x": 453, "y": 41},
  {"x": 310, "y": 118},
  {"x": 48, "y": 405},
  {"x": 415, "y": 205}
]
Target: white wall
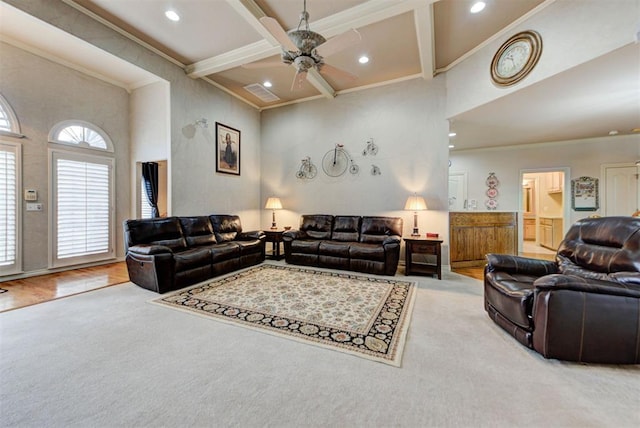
[
  {"x": 406, "y": 121},
  {"x": 194, "y": 186},
  {"x": 43, "y": 93},
  {"x": 150, "y": 125},
  {"x": 572, "y": 33},
  {"x": 582, "y": 157}
]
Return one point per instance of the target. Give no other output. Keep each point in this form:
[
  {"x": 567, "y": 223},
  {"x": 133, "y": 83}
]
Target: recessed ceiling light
[
  {"x": 477, "y": 7},
  {"x": 452, "y": 134},
  {"x": 363, "y": 59},
  {"x": 451, "y": 146},
  {"x": 267, "y": 84},
  {"x": 613, "y": 132},
  {"x": 172, "y": 15}
]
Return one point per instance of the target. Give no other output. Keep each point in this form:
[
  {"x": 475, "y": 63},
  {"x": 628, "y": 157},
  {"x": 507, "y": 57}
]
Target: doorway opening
[
  {"x": 544, "y": 211},
  {"x": 143, "y": 209}
]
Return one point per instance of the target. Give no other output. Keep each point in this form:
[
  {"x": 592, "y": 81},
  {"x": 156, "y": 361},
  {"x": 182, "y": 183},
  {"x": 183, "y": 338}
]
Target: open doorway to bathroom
[{"x": 543, "y": 211}]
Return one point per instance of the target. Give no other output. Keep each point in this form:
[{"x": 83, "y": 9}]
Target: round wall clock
[{"x": 516, "y": 58}]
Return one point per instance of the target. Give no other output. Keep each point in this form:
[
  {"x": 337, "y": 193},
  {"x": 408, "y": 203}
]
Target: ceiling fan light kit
[{"x": 306, "y": 49}]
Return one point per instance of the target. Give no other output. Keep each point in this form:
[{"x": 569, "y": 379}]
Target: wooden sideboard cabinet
[
  {"x": 474, "y": 234},
  {"x": 529, "y": 229},
  {"x": 551, "y": 232}
]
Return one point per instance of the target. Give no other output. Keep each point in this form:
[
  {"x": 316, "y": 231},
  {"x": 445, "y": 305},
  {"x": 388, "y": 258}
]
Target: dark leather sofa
[
  {"x": 165, "y": 254},
  {"x": 584, "y": 306},
  {"x": 361, "y": 244}
]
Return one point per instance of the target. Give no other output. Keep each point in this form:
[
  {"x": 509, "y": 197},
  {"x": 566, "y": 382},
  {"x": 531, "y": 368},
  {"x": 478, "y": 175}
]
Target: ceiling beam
[
  {"x": 251, "y": 13},
  {"x": 366, "y": 13},
  {"x": 424, "y": 31}
]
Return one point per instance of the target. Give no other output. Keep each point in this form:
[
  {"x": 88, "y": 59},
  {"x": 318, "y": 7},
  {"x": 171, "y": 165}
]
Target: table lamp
[
  {"x": 273, "y": 204},
  {"x": 415, "y": 203}
]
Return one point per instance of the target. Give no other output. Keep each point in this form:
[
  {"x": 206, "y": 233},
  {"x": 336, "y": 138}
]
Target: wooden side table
[
  {"x": 423, "y": 256},
  {"x": 275, "y": 237}
]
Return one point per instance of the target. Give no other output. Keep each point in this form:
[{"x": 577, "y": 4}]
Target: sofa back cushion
[
  {"x": 316, "y": 226},
  {"x": 197, "y": 230},
  {"x": 377, "y": 229},
  {"x": 346, "y": 228},
  {"x": 226, "y": 227},
  {"x": 158, "y": 231},
  {"x": 605, "y": 245}
]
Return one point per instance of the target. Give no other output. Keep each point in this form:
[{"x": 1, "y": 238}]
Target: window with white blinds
[
  {"x": 145, "y": 206},
  {"x": 82, "y": 213},
  {"x": 9, "y": 209}
]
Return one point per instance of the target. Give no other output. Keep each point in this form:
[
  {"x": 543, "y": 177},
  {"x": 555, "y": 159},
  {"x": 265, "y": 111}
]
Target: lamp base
[
  {"x": 415, "y": 232},
  {"x": 273, "y": 226}
]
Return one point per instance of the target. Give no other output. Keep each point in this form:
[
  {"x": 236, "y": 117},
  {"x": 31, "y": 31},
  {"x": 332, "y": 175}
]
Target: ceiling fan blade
[
  {"x": 338, "y": 43},
  {"x": 278, "y": 32},
  {"x": 264, "y": 64},
  {"x": 338, "y": 73},
  {"x": 300, "y": 77}
]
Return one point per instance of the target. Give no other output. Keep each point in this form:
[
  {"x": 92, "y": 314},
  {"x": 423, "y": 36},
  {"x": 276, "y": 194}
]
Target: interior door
[
  {"x": 621, "y": 190},
  {"x": 457, "y": 191}
]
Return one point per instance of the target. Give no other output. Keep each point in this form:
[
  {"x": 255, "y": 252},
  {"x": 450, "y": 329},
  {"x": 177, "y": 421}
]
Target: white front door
[{"x": 621, "y": 190}]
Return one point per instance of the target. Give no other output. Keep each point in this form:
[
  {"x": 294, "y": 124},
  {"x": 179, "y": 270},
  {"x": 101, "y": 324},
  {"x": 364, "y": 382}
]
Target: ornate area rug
[{"x": 356, "y": 314}]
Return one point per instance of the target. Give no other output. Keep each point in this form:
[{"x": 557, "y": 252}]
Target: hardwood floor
[
  {"x": 478, "y": 272},
  {"x": 38, "y": 289}
]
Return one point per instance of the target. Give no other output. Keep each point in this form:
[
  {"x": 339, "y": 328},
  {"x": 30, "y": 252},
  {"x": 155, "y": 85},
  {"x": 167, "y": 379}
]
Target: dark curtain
[{"x": 150, "y": 177}]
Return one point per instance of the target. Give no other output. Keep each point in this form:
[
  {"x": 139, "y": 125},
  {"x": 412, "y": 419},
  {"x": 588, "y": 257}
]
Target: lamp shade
[
  {"x": 273, "y": 204},
  {"x": 415, "y": 203}
]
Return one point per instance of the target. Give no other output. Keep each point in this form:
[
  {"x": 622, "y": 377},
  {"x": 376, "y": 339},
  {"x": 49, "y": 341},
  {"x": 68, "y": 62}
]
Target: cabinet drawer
[{"x": 424, "y": 248}]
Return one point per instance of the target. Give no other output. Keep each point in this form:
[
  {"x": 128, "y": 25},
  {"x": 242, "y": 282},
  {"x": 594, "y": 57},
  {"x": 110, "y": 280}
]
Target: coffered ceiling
[{"x": 225, "y": 43}]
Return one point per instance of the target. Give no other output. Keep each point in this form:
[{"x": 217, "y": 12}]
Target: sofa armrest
[
  {"x": 248, "y": 236},
  {"x": 150, "y": 249},
  {"x": 586, "y": 285},
  {"x": 391, "y": 239},
  {"x": 521, "y": 265},
  {"x": 290, "y": 235}
]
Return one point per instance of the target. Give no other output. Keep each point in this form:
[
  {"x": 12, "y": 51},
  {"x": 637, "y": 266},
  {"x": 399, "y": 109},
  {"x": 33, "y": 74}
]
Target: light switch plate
[{"x": 34, "y": 207}]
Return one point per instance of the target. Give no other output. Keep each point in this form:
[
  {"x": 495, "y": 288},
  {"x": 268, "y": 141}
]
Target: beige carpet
[
  {"x": 107, "y": 358},
  {"x": 361, "y": 315}
]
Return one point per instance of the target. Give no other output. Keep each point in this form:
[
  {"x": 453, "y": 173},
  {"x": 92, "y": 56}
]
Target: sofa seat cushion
[
  {"x": 305, "y": 246},
  {"x": 360, "y": 250},
  {"x": 249, "y": 247},
  {"x": 512, "y": 296},
  {"x": 224, "y": 251},
  {"x": 193, "y": 258},
  {"x": 334, "y": 249}
]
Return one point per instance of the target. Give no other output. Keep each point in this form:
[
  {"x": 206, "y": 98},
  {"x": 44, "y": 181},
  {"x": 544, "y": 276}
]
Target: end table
[
  {"x": 275, "y": 237},
  {"x": 423, "y": 256}
]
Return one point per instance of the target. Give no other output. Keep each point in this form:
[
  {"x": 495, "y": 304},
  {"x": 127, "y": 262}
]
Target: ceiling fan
[{"x": 306, "y": 49}]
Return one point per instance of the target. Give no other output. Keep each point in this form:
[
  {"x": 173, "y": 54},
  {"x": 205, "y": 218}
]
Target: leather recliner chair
[{"x": 585, "y": 305}]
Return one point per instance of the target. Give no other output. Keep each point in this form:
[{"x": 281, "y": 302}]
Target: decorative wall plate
[
  {"x": 491, "y": 204},
  {"x": 492, "y": 180},
  {"x": 516, "y": 58},
  {"x": 492, "y": 192}
]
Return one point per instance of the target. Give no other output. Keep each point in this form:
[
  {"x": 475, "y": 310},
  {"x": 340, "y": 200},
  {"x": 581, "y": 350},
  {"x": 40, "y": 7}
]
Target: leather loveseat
[
  {"x": 361, "y": 244},
  {"x": 165, "y": 254},
  {"x": 584, "y": 306}
]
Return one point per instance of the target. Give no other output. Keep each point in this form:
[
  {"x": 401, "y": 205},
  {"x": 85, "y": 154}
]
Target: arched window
[
  {"x": 9, "y": 124},
  {"x": 82, "y": 189},
  {"x": 80, "y": 134}
]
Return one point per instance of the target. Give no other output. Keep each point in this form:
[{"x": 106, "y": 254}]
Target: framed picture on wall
[
  {"x": 584, "y": 194},
  {"x": 227, "y": 149}
]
